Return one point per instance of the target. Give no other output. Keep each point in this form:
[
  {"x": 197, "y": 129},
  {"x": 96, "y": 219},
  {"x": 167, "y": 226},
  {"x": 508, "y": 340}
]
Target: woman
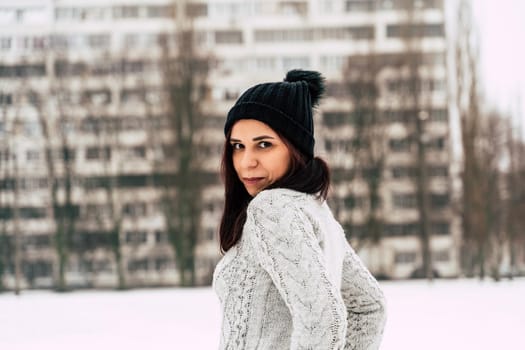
[{"x": 288, "y": 278}]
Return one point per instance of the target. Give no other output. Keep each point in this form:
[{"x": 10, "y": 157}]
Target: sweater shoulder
[{"x": 278, "y": 199}]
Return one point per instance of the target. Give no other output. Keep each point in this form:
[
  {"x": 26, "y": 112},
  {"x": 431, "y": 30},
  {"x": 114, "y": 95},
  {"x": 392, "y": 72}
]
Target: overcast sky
[{"x": 502, "y": 31}]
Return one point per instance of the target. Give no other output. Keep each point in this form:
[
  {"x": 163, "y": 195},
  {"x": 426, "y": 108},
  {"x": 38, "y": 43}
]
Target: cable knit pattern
[{"x": 287, "y": 285}]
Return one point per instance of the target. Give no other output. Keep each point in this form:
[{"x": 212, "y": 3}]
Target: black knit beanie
[{"x": 286, "y": 107}]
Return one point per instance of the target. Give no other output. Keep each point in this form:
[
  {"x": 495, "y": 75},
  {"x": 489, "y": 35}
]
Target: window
[
  {"x": 95, "y": 153},
  {"x": 7, "y": 15},
  {"x": 135, "y": 209},
  {"x": 333, "y": 63},
  {"x": 161, "y": 237},
  {"x": 434, "y": 59},
  {"x": 96, "y": 182},
  {"x": 133, "y": 181},
  {"x": 228, "y": 37},
  {"x": 293, "y": 7},
  {"x": 30, "y": 184},
  {"x": 295, "y": 62},
  {"x": 137, "y": 152},
  {"x": 403, "y": 172},
  {"x": 336, "y": 89},
  {"x": 352, "y": 230},
  {"x": 37, "y": 241},
  {"x": 414, "y": 30},
  {"x": 5, "y": 43},
  {"x": 132, "y": 95},
  {"x": 197, "y": 9},
  {"x": 67, "y": 13},
  {"x": 396, "y": 116},
  {"x": 345, "y": 33},
  {"x": 6, "y": 99},
  {"x": 65, "y": 154},
  {"x": 352, "y": 202},
  {"x": 130, "y": 67},
  {"x": 133, "y": 123},
  {"x": 345, "y": 145},
  {"x": 436, "y": 144},
  {"x": 59, "y": 42},
  {"x": 162, "y": 263},
  {"x": 405, "y": 257},
  {"x": 126, "y": 12},
  {"x": 440, "y": 228},
  {"x": 359, "y": 5},
  {"x": 441, "y": 256},
  {"x": 32, "y": 155},
  {"x": 93, "y": 211},
  {"x": 284, "y": 35},
  {"x": 160, "y": 11},
  {"x": 402, "y": 4},
  {"x": 334, "y": 119},
  {"x": 266, "y": 63},
  {"x": 371, "y": 172},
  {"x": 438, "y": 171},
  {"x": 327, "y": 6},
  {"x": 96, "y": 13},
  {"x": 98, "y": 97},
  {"x": 439, "y": 200},
  {"x": 32, "y": 213},
  {"x": 95, "y": 265},
  {"x": 404, "y": 200},
  {"x": 38, "y": 268},
  {"x": 439, "y": 115},
  {"x": 64, "y": 68},
  {"x": 98, "y": 41},
  {"x": 169, "y": 151},
  {"x": 405, "y": 229},
  {"x": 138, "y": 265},
  {"x": 136, "y": 237},
  {"x": 91, "y": 125},
  {"x": 22, "y": 70},
  {"x": 399, "y": 145},
  {"x": 29, "y": 43}
]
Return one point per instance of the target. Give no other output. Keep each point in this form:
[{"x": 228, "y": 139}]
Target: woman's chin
[{"x": 253, "y": 191}]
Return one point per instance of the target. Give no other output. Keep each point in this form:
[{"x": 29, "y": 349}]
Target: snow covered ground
[{"x": 451, "y": 314}]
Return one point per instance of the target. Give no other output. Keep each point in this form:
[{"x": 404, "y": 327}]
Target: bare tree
[
  {"x": 185, "y": 72},
  {"x": 491, "y": 151},
  {"x": 115, "y": 215},
  {"x": 9, "y": 256},
  {"x": 515, "y": 206},
  {"x": 15, "y": 130},
  {"x": 415, "y": 99},
  {"x": 468, "y": 105},
  {"x": 53, "y": 119},
  {"x": 368, "y": 146},
  {"x": 6, "y": 248}
]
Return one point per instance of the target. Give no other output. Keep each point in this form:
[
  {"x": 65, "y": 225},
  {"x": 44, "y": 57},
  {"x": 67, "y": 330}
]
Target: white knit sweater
[{"x": 293, "y": 281}]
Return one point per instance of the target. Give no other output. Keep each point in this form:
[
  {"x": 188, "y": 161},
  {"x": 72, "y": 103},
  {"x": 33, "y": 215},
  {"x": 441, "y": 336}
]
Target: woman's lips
[{"x": 252, "y": 180}]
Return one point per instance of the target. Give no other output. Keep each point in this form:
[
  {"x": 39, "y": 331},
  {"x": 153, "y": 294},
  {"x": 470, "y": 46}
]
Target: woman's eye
[
  {"x": 264, "y": 144},
  {"x": 236, "y": 146}
]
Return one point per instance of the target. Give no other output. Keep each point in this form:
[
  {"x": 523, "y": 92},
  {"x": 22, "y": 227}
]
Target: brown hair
[{"x": 304, "y": 175}]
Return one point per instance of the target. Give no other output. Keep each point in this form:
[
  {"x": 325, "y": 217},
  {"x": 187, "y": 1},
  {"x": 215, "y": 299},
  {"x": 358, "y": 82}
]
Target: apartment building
[{"x": 105, "y": 53}]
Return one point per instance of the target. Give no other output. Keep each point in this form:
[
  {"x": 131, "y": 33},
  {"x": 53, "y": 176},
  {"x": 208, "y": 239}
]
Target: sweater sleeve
[
  {"x": 365, "y": 303},
  {"x": 285, "y": 245}
]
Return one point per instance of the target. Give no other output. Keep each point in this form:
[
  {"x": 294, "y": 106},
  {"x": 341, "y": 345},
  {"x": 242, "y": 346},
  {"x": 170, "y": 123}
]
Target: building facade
[{"x": 105, "y": 55}]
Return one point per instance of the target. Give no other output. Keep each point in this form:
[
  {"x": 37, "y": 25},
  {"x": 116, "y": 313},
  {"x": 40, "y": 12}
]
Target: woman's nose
[{"x": 249, "y": 160}]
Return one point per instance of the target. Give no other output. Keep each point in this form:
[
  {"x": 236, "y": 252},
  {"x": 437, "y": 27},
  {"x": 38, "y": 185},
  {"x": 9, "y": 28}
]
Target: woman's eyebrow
[{"x": 258, "y": 138}]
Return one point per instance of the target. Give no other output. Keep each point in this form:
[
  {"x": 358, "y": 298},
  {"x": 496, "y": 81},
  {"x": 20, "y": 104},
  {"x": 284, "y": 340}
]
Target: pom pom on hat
[{"x": 314, "y": 80}]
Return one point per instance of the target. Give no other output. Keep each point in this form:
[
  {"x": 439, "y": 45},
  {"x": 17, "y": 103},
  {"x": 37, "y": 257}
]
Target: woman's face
[{"x": 260, "y": 156}]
